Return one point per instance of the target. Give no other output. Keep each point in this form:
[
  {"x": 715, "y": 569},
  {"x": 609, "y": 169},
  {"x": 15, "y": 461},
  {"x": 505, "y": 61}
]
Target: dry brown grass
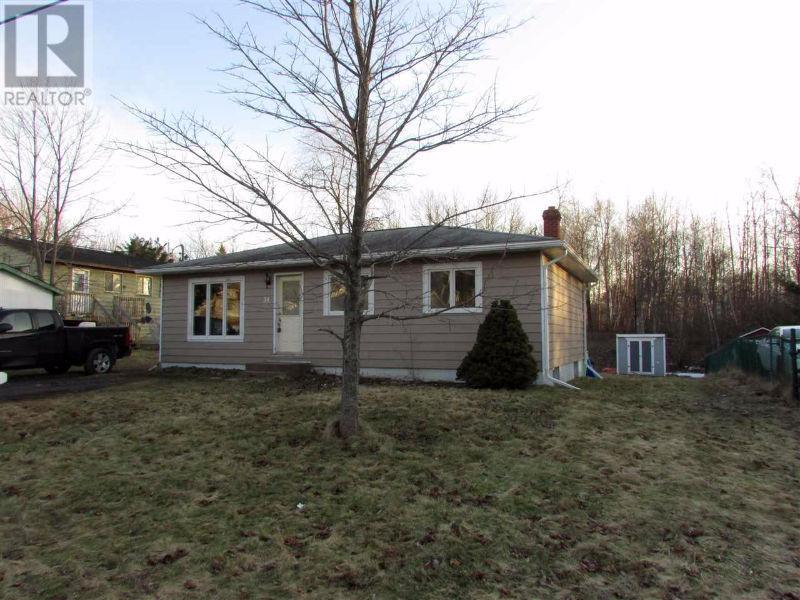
[{"x": 187, "y": 486}]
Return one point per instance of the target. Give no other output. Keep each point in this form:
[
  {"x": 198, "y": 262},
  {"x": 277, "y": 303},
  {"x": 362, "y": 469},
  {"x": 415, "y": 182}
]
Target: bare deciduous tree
[
  {"x": 489, "y": 212},
  {"x": 368, "y": 86},
  {"x": 48, "y": 155},
  {"x": 197, "y": 245}
]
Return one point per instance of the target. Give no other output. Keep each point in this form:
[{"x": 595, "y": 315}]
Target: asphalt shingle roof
[
  {"x": 379, "y": 241},
  {"x": 76, "y": 255}
]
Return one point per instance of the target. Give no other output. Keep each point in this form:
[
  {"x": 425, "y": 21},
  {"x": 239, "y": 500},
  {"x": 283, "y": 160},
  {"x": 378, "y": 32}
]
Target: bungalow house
[
  {"x": 96, "y": 285},
  {"x": 271, "y": 307}
]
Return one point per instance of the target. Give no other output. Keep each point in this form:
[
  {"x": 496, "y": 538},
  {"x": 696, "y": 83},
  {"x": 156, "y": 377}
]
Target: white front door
[{"x": 289, "y": 314}]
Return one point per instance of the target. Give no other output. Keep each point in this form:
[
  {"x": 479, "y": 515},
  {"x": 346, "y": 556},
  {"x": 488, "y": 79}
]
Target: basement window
[{"x": 454, "y": 288}]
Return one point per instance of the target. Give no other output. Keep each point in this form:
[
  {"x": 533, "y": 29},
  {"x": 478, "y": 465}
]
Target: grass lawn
[{"x": 200, "y": 486}]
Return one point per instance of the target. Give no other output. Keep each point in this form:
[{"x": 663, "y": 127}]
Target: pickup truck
[{"x": 33, "y": 338}]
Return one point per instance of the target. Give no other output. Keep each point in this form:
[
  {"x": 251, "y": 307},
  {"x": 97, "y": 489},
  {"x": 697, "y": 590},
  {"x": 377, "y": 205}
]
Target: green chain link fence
[{"x": 773, "y": 356}]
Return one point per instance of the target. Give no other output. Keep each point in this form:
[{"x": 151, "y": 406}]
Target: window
[
  {"x": 114, "y": 283},
  {"x": 20, "y": 322},
  {"x": 334, "y": 293},
  {"x": 216, "y": 309},
  {"x": 45, "y": 320},
  {"x": 144, "y": 285},
  {"x": 456, "y": 288},
  {"x": 80, "y": 281}
]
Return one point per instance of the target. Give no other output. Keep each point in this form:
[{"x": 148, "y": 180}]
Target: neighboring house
[
  {"x": 96, "y": 285},
  {"x": 20, "y": 290},
  {"x": 272, "y": 305}
]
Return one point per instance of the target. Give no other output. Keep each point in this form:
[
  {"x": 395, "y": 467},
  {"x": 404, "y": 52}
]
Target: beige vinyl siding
[
  {"x": 17, "y": 259},
  {"x": 432, "y": 342},
  {"x": 97, "y": 285},
  {"x": 143, "y": 333},
  {"x": 566, "y": 326},
  {"x": 97, "y": 282},
  {"x": 256, "y": 324}
]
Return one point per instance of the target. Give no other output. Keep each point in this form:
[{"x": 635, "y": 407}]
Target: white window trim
[
  {"x": 452, "y": 268},
  {"x": 88, "y": 281},
  {"x": 326, "y": 295},
  {"x": 190, "y": 336},
  {"x": 639, "y": 339}
]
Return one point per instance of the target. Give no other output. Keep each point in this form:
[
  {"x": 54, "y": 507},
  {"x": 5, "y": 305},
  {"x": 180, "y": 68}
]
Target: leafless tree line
[
  {"x": 489, "y": 211},
  {"x": 702, "y": 281}
]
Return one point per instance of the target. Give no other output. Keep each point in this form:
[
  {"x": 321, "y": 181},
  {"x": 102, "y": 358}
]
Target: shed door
[
  {"x": 647, "y": 356},
  {"x": 634, "y": 356},
  {"x": 640, "y": 356}
]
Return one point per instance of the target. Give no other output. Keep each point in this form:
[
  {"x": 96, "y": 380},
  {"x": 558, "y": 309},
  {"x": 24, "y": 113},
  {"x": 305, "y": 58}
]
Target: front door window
[{"x": 290, "y": 297}]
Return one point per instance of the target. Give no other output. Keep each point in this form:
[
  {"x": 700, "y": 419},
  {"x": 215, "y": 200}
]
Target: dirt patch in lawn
[{"x": 229, "y": 487}]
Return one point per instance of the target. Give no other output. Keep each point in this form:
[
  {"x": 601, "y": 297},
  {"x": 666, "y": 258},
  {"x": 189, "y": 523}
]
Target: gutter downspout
[
  {"x": 160, "y": 319},
  {"x": 545, "y": 307}
]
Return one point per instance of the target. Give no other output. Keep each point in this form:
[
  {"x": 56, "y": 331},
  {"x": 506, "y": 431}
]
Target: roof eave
[
  {"x": 97, "y": 266},
  {"x": 583, "y": 271},
  {"x": 576, "y": 264}
]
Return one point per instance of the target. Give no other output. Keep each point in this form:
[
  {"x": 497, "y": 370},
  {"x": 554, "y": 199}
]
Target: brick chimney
[{"x": 552, "y": 222}]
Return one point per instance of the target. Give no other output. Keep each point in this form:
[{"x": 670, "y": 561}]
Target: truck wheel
[
  {"x": 99, "y": 361},
  {"x": 57, "y": 369}
]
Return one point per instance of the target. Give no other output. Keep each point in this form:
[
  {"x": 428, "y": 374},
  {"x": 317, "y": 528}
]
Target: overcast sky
[{"x": 686, "y": 98}]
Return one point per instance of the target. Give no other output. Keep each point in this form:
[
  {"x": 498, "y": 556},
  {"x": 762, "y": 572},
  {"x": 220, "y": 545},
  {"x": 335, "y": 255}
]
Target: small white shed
[
  {"x": 642, "y": 354},
  {"x": 20, "y": 290}
]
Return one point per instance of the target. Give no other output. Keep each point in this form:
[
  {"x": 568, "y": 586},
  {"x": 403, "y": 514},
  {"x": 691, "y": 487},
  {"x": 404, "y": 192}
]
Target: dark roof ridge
[{"x": 82, "y": 255}]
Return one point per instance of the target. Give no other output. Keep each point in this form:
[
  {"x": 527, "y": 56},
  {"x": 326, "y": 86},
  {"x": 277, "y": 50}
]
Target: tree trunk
[
  {"x": 348, "y": 418},
  {"x": 351, "y": 341}
]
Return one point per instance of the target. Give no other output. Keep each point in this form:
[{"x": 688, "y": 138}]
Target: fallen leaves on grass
[
  {"x": 294, "y": 542},
  {"x": 613, "y": 491},
  {"x": 216, "y": 565},
  {"x": 168, "y": 558}
]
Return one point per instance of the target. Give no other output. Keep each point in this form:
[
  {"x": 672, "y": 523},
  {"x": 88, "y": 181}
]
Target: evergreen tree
[
  {"x": 146, "y": 248},
  {"x": 501, "y": 356}
]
